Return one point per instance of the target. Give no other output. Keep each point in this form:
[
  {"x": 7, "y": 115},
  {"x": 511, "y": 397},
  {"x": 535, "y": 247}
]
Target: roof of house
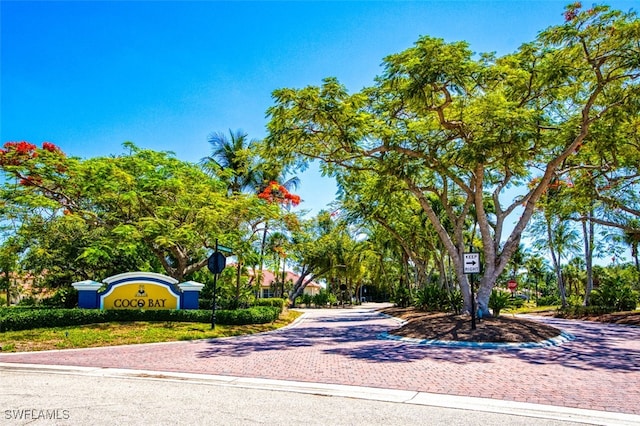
[{"x": 268, "y": 277}]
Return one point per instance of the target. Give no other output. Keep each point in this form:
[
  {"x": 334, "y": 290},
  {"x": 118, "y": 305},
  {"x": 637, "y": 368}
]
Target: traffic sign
[
  {"x": 471, "y": 263},
  {"x": 216, "y": 262},
  {"x": 228, "y": 251}
]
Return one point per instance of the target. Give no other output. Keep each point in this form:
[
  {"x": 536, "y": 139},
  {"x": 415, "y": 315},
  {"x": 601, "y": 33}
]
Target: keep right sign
[{"x": 471, "y": 263}]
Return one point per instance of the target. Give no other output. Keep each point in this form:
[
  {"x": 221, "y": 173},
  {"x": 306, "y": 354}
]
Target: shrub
[
  {"x": 615, "y": 295},
  {"x": 516, "y": 302},
  {"x": 456, "y": 301},
  {"x": 333, "y": 299},
  {"x": 63, "y": 298},
  {"x": 401, "y": 297},
  {"x": 498, "y": 300},
  {"x": 26, "y": 319},
  {"x": 28, "y": 301},
  {"x": 307, "y": 299},
  {"x": 255, "y": 315},
  {"x": 321, "y": 299},
  {"x": 552, "y": 300},
  {"x": 431, "y": 298},
  {"x": 274, "y": 302},
  {"x": 579, "y": 311},
  {"x": 575, "y": 300}
]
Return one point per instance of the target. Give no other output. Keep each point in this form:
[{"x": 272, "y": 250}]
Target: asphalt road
[
  {"x": 332, "y": 367},
  {"x": 29, "y": 397}
]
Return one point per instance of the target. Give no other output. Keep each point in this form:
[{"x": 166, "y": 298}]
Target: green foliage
[
  {"x": 274, "y": 302},
  {"x": 516, "y": 302},
  {"x": 579, "y": 311},
  {"x": 444, "y": 123},
  {"x": 574, "y": 300},
  {"x": 255, "y": 315},
  {"x": 429, "y": 298},
  {"x": 144, "y": 210},
  {"x": 432, "y": 297},
  {"x": 615, "y": 295},
  {"x": 204, "y": 304},
  {"x": 28, "y": 301},
  {"x": 307, "y": 299},
  {"x": 498, "y": 300},
  {"x": 324, "y": 298},
  {"x": 456, "y": 301},
  {"x": 401, "y": 297},
  {"x": 27, "y": 319},
  {"x": 66, "y": 297},
  {"x": 552, "y": 300}
]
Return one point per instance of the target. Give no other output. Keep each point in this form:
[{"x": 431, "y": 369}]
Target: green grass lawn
[
  {"x": 111, "y": 334},
  {"x": 531, "y": 308}
]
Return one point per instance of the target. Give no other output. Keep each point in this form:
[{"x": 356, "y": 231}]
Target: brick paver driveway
[{"x": 599, "y": 370}]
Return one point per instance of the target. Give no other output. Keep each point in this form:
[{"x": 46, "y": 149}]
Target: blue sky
[{"x": 89, "y": 75}]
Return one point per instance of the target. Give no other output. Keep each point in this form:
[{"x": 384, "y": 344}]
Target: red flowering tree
[
  {"x": 138, "y": 207},
  {"x": 276, "y": 193},
  {"x": 43, "y": 169}
]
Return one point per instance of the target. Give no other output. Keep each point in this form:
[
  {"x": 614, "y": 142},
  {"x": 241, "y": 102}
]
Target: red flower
[
  {"x": 25, "y": 147},
  {"x": 48, "y": 146},
  {"x": 22, "y": 147},
  {"x": 276, "y": 193}
]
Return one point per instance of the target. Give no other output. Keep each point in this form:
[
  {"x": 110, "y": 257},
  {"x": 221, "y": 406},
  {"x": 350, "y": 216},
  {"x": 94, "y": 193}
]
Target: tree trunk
[
  {"x": 238, "y": 276},
  {"x": 556, "y": 265},
  {"x": 587, "y": 231},
  {"x": 301, "y": 283}
]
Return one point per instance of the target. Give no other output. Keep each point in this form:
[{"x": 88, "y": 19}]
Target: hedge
[
  {"x": 255, "y": 315},
  {"x": 275, "y": 302},
  {"x": 27, "y": 319}
]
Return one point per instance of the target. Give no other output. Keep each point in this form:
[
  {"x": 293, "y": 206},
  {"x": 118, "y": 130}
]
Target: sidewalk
[{"x": 595, "y": 375}]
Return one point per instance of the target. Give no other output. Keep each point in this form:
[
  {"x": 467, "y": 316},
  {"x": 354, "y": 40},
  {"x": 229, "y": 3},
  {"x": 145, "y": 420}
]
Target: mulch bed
[
  {"x": 450, "y": 327},
  {"x": 628, "y": 318}
]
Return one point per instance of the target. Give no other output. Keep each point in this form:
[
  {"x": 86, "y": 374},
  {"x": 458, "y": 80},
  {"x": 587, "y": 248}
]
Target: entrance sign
[
  {"x": 140, "y": 291},
  {"x": 471, "y": 263}
]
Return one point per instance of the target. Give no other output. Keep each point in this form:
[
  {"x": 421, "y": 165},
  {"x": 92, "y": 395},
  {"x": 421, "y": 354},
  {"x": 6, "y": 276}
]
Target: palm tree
[
  {"x": 278, "y": 245},
  {"x": 632, "y": 238},
  {"x": 563, "y": 240},
  {"x": 536, "y": 269},
  {"x": 233, "y": 160}
]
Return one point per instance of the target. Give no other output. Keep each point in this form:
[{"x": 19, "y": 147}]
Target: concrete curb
[
  {"x": 367, "y": 393},
  {"x": 555, "y": 341}
]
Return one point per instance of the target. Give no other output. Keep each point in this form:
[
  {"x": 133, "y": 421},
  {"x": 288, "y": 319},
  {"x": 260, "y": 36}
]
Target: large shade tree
[
  {"x": 445, "y": 123},
  {"x": 140, "y": 202}
]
